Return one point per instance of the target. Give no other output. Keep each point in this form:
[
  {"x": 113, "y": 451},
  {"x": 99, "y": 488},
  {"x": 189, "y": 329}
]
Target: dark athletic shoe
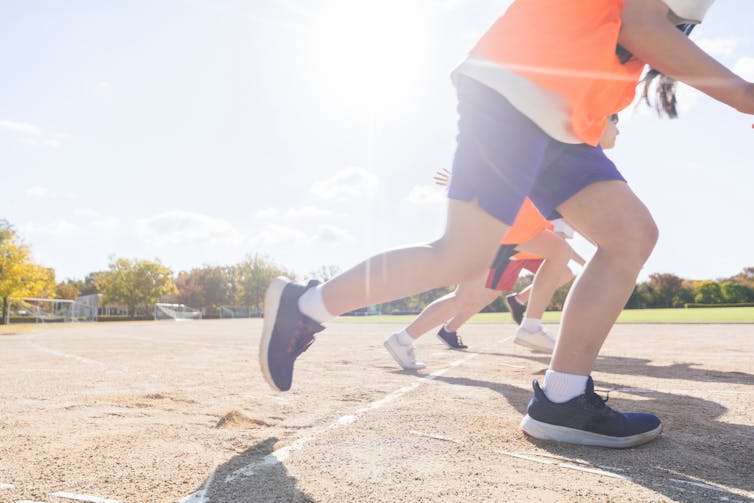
[
  {"x": 587, "y": 420},
  {"x": 452, "y": 339},
  {"x": 286, "y": 332},
  {"x": 515, "y": 307}
]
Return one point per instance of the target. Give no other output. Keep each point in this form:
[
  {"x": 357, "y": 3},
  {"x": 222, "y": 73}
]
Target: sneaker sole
[
  {"x": 271, "y": 304},
  {"x": 531, "y": 345},
  {"x": 545, "y": 431},
  {"x": 398, "y": 361},
  {"x": 451, "y": 346}
]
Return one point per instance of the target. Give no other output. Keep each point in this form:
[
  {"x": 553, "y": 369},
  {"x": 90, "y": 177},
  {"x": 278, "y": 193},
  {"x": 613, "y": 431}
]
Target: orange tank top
[
  {"x": 528, "y": 223},
  {"x": 567, "y": 46}
]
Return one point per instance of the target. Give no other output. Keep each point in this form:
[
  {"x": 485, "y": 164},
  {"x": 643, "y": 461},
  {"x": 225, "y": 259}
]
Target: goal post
[
  {"x": 226, "y": 311},
  {"x": 177, "y": 312},
  {"x": 53, "y": 310}
]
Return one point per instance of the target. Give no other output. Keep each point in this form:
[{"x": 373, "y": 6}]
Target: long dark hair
[{"x": 665, "y": 100}]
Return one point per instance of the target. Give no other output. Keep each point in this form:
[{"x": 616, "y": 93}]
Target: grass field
[{"x": 699, "y": 315}]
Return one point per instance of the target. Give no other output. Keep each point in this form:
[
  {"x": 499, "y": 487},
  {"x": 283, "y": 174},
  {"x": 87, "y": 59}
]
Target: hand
[{"x": 442, "y": 177}]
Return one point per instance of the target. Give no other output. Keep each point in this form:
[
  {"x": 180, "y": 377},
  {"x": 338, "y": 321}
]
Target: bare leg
[
  {"x": 523, "y": 296},
  {"x": 478, "y": 299},
  {"x": 611, "y": 216},
  {"x": 470, "y": 296},
  {"x": 468, "y": 246},
  {"x": 556, "y": 253}
]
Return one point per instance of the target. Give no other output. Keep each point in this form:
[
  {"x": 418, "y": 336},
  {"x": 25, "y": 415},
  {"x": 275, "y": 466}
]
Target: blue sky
[{"x": 307, "y": 130}]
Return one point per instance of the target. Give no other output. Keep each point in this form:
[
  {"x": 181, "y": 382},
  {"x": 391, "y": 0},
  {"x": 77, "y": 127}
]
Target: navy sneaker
[
  {"x": 515, "y": 307},
  {"x": 587, "y": 420},
  {"x": 286, "y": 332},
  {"x": 452, "y": 339}
]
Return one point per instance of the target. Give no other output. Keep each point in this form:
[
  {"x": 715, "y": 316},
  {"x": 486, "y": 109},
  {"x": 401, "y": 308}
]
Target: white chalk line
[
  {"x": 596, "y": 471},
  {"x": 6, "y": 486},
  {"x": 280, "y": 455},
  {"x": 676, "y": 391},
  {"x": 431, "y": 435},
  {"x": 607, "y": 471},
  {"x": 83, "y": 497},
  {"x": 61, "y": 354}
]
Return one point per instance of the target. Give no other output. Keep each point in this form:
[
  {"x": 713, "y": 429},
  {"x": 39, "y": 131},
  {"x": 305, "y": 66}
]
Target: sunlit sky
[{"x": 199, "y": 132}]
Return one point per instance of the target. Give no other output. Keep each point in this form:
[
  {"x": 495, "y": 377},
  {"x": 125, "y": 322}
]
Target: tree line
[{"x": 139, "y": 284}]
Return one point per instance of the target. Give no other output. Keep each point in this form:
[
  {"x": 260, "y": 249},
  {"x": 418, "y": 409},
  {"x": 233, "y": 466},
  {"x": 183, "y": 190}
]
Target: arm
[{"x": 651, "y": 37}]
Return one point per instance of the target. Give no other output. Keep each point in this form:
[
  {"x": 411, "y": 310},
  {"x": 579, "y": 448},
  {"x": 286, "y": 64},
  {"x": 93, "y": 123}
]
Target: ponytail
[{"x": 665, "y": 99}]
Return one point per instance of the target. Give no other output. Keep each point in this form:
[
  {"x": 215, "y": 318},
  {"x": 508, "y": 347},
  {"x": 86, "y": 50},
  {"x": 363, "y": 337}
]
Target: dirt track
[{"x": 162, "y": 411}]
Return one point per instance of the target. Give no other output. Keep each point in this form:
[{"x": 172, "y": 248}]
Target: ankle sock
[
  {"x": 404, "y": 339},
  {"x": 532, "y": 325},
  {"x": 312, "y": 304},
  {"x": 560, "y": 387}
]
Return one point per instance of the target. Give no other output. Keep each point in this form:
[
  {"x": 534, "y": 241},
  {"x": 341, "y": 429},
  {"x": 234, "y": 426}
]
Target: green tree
[
  {"x": 207, "y": 288},
  {"x": 253, "y": 276},
  {"x": 708, "y": 292},
  {"x": 735, "y": 293},
  {"x": 19, "y": 276},
  {"x": 135, "y": 284},
  {"x": 663, "y": 288},
  {"x": 66, "y": 290}
]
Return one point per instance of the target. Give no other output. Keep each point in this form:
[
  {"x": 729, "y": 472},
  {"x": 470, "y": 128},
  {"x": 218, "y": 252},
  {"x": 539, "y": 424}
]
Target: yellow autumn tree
[
  {"x": 19, "y": 276},
  {"x": 135, "y": 284}
]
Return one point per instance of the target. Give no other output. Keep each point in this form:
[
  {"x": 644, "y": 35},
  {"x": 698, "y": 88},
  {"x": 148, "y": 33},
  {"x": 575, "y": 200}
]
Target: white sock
[
  {"x": 532, "y": 325},
  {"x": 403, "y": 338},
  {"x": 312, "y": 304},
  {"x": 560, "y": 387}
]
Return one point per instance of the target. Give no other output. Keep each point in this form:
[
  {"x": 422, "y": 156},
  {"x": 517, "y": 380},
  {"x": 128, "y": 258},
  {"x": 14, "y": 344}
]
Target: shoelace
[
  {"x": 303, "y": 338},
  {"x": 597, "y": 402},
  {"x": 458, "y": 340}
]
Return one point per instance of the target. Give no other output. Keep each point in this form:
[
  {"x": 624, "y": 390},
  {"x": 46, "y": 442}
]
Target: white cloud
[
  {"x": 58, "y": 228},
  {"x": 331, "y": 234},
  {"x": 20, "y": 127},
  {"x": 277, "y": 235},
  {"x": 718, "y": 46},
  {"x": 745, "y": 68},
  {"x": 347, "y": 184},
  {"x": 33, "y": 134},
  {"x": 86, "y": 212},
  {"x": 179, "y": 227},
  {"x": 37, "y": 191},
  {"x": 267, "y": 213},
  {"x": 106, "y": 223},
  {"x": 687, "y": 96},
  {"x": 426, "y": 195},
  {"x": 308, "y": 212}
]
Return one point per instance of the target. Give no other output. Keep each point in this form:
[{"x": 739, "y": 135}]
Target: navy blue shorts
[{"x": 503, "y": 157}]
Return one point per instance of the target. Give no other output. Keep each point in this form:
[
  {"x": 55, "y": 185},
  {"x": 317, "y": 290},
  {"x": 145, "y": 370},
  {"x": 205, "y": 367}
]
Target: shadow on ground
[
  {"x": 622, "y": 365},
  {"x": 696, "y": 448},
  {"x": 251, "y": 477}
]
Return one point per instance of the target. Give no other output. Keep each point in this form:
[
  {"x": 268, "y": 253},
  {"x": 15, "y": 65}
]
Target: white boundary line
[
  {"x": 83, "y": 497},
  {"x": 6, "y": 486},
  {"x": 569, "y": 466},
  {"x": 47, "y": 350},
  {"x": 280, "y": 455}
]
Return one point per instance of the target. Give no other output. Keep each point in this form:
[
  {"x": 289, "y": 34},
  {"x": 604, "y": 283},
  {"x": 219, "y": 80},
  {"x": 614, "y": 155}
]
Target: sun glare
[{"x": 369, "y": 53}]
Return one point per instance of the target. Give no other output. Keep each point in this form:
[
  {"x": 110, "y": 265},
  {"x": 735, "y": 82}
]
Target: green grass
[{"x": 700, "y": 315}]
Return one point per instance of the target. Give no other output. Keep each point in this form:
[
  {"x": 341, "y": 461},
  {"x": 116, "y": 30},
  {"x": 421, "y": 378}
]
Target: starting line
[{"x": 280, "y": 455}]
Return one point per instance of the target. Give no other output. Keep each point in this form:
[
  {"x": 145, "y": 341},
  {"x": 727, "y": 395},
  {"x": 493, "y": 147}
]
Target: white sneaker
[
  {"x": 537, "y": 341},
  {"x": 402, "y": 354}
]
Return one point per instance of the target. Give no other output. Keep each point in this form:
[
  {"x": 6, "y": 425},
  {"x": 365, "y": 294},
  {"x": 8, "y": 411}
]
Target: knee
[{"x": 634, "y": 239}]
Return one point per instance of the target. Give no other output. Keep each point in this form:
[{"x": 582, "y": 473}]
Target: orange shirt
[
  {"x": 567, "y": 46},
  {"x": 528, "y": 223}
]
